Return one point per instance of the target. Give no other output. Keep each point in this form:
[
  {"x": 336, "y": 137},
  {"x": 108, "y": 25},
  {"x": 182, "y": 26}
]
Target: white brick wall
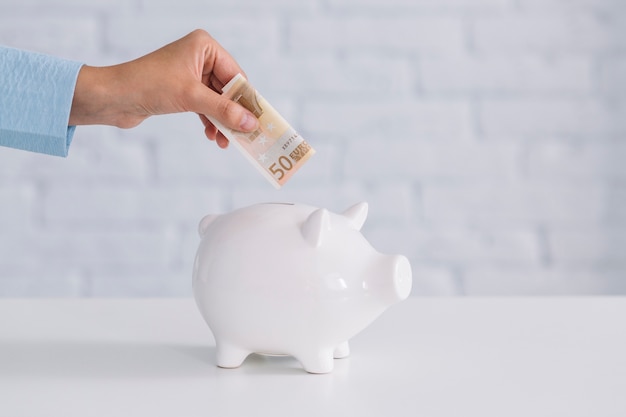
[{"x": 487, "y": 136}]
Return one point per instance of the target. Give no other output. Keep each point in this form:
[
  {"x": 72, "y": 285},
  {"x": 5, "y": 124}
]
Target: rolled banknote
[{"x": 275, "y": 148}]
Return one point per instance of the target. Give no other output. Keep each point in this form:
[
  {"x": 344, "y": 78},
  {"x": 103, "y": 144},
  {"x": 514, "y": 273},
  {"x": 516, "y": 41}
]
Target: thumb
[{"x": 232, "y": 115}]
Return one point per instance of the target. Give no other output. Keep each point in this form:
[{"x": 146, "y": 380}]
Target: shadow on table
[{"x": 104, "y": 359}]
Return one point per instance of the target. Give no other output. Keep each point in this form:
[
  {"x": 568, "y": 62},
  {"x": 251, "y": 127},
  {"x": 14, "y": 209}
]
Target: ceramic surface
[{"x": 291, "y": 279}]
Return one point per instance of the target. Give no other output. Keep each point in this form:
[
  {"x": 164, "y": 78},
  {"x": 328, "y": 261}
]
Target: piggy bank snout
[
  {"x": 395, "y": 279},
  {"x": 402, "y": 277}
]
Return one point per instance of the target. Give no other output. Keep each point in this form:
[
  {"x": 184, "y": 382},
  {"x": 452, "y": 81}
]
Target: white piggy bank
[{"x": 290, "y": 279}]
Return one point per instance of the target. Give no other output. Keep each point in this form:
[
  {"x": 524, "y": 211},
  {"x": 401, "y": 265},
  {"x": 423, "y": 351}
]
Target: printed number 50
[{"x": 285, "y": 165}]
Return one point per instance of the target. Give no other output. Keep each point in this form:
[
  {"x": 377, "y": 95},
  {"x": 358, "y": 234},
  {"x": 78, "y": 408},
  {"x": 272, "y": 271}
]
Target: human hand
[{"x": 184, "y": 76}]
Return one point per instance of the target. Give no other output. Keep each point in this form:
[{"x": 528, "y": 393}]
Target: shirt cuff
[{"x": 36, "y": 93}]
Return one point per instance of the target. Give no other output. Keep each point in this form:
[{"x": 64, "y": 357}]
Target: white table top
[{"x": 424, "y": 357}]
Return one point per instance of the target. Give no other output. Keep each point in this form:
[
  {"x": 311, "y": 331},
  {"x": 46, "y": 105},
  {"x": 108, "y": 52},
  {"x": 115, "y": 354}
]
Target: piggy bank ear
[
  {"x": 356, "y": 215},
  {"x": 205, "y": 222},
  {"x": 315, "y": 227}
]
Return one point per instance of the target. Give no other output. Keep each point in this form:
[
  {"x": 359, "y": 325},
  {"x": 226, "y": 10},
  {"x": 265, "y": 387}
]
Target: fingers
[
  {"x": 204, "y": 96},
  {"x": 225, "y": 67},
  {"x": 213, "y": 134},
  {"x": 215, "y": 83},
  {"x": 221, "y": 65},
  {"x": 222, "y": 141},
  {"x": 232, "y": 115}
]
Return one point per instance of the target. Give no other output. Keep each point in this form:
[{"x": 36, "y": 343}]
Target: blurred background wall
[{"x": 488, "y": 136}]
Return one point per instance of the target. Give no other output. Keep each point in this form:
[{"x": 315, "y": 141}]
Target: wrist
[{"x": 100, "y": 98}]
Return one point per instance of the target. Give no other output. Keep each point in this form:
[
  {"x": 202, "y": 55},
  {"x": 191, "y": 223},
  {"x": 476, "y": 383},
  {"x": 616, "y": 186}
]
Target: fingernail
[{"x": 248, "y": 122}]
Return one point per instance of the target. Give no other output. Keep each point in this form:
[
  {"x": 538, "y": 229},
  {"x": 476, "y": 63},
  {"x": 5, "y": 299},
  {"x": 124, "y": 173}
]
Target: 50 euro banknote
[{"x": 275, "y": 148}]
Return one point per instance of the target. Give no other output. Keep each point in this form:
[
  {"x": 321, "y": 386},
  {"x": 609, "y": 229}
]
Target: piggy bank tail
[{"x": 205, "y": 222}]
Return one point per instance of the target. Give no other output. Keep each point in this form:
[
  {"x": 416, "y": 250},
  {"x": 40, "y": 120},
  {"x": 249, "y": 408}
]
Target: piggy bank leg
[
  {"x": 342, "y": 351},
  {"x": 318, "y": 361},
  {"x": 228, "y": 355}
]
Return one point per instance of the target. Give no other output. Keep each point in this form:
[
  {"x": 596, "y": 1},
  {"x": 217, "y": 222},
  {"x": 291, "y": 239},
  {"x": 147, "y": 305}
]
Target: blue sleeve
[{"x": 36, "y": 93}]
